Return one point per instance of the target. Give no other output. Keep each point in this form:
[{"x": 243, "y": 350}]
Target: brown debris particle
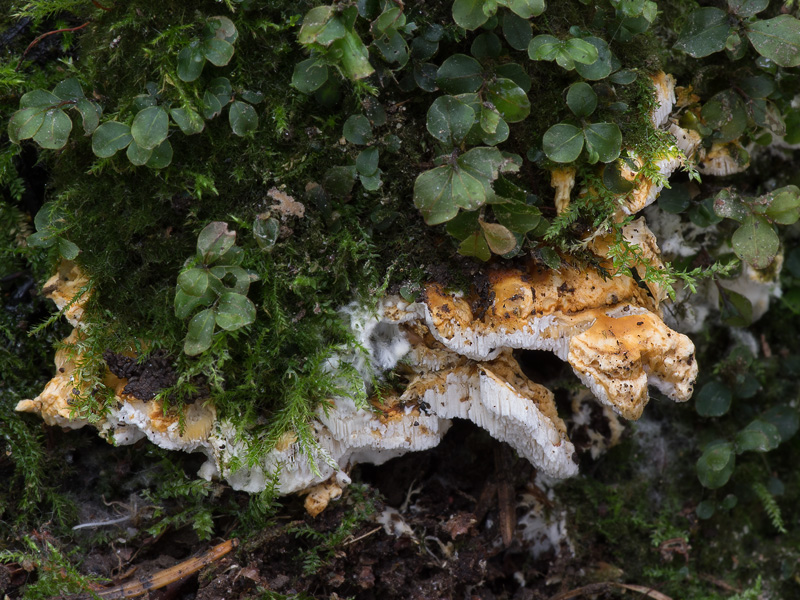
[{"x": 287, "y": 206}]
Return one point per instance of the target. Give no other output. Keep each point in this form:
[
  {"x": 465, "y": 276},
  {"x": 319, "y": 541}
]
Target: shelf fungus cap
[
  {"x": 724, "y": 159},
  {"x": 617, "y": 357},
  {"x": 62, "y": 287},
  {"x": 665, "y": 97}
]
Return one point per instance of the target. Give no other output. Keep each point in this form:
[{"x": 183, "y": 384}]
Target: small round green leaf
[
  {"x": 517, "y": 31},
  {"x": 193, "y": 282},
  {"x": 367, "y": 162},
  {"x": 715, "y": 466},
  {"x": 161, "y": 156},
  {"x": 242, "y": 117},
  {"x": 224, "y": 29},
  {"x": 605, "y": 139},
  {"x": 67, "y": 249},
  {"x": 475, "y": 245},
  {"x": 525, "y": 8},
  {"x": 623, "y": 77},
  {"x": 214, "y": 241},
  {"x": 200, "y": 334},
  {"x": 778, "y": 39},
  {"x": 190, "y": 62},
  {"x": 725, "y": 113},
  {"x": 470, "y": 14},
  {"x": 758, "y": 436},
  {"x": 38, "y": 98},
  {"x": 544, "y": 47},
  {"x": 309, "y": 75},
  {"x": 459, "y": 74},
  {"x": 137, "y": 155},
  {"x": 785, "y": 419},
  {"x": 221, "y": 88},
  {"x": 735, "y": 310},
  {"x": 438, "y": 193},
  {"x": 212, "y": 107},
  {"x": 234, "y": 311},
  {"x": 581, "y": 51},
  {"x": 150, "y": 127},
  {"x": 756, "y": 242},
  {"x": 357, "y": 130},
  {"x": 713, "y": 400},
  {"x": 486, "y": 45},
  {"x": 563, "y": 143},
  {"x": 675, "y": 199},
  {"x": 614, "y": 181},
  {"x": 69, "y": 89},
  {"x": 188, "y": 120},
  {"x": 217, "y": 52},
  {"x": 463, "y": 225},
  {"x": 515, "y": 73},
  {"x": 90, "y": 115},
  {"x": 55, "y": 129},
  {"x": 371, "y": 182},
  {"x": 705, "y": 32},
  {"x": 449, "y": 120},
  {"x": 705, "y": 510},
  {"x": 784, "y": 205},
  {"x": 509, "y": 99},
  {"x": 518, "y": 217},
  {"x": 747, "y": 8},
  {"x": 25, "y": 123},
  {"x": 602, "y": 67},
  {"x": 581, "y": 99}
]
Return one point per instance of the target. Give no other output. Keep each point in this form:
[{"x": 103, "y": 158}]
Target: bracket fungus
[{"x": 454, "y": 351}]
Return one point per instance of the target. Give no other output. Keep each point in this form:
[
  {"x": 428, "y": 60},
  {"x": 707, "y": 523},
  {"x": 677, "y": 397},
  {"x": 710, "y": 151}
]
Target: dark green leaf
[
  {"x": 605, "y": 139},
  {"x": 602, "y": 67},
  {"x": 713, "y": 400},
  {"x": 69, "y": 89},
  {"x": 464, "y": 225},
  {"x": 489, "y": 120},
  {"x": 221, "y": 88},
  {"x": 623, "y": 77},
  {"x": 735, "y": 309},
  {"x": 200, "y": 334},
  {"x": 190, "y": 62},
  {"x": 320, "y": 26},
  {"x": 550, "y": 257},
  {"x": 705, "y": 32},
  {"x": 367, "y": 162},
  {"x": 224, "y": 29},
  {"x": 728, "y": 205},
  {"x": 784, "y": 205},
  {"x": 214, "y": 241},
  {"x": 758, "y": 436},
  {"x": 778, "y": 39},
  {"x": 242, "y": 117},
  {"x": 67, "y": 249},
  {"x": 371, "y": 182},
  {"x": 525, "y": 8},
  {"x": 353, "y": 55},
  {"x": 357, "y": 130},
  {"x": 756, "y": 242},
  {"x": 150, "y": 127},
  {"x": 614, "y": 181},
  {"x": 509, "y": 99},
  {"x": 674, "y": 200},
  {"x": 475, "y": 245},
  {"x": 517, "y": 217},
  {"x": 563, "y": 143},
  {"x": 55, "y": 130},
  {"x": 234, "y": 311},
  {"x": 517, "y": 31},
  {"x": 393, "y": 48},
  {"x": 252, "y": 96},
  {"x": 486, "y": 45},
  {"x": 581, "y": 99},
  {"x": 309, "y": 75},
  {"x": 469, "y": 14},
  {"x": 747, "y": 8},
  {"x": 211, "y": 105},
  {"x": 460, "y": 74},
  {"x": 438, "y": 193},
  {"x": 39, "y": 98},
  {"x": 726, "y": 115},
  {"x": 194, "y": 282},
  {"x": 705, "y": 510},
  {"x": 581, "y": 51},
  {"x": 90, "y": 115},
  {"x": 449, "y": 120},
  {"x": 25, "y": 123},
  {"x": 515, "y": 73},
  {"x": 217, "y": 52},
  {"x": 785, "y": 419},
  {"x": 137, "y": 155},
  {"x": 161, "y": 156},
  {"x": 188, "y": 120},
  {"x": 544, "y": 47},
  {"x": 715, "y": 466}
]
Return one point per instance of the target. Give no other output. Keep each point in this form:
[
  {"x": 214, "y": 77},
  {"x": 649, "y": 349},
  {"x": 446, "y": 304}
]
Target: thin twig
[
  {"x": 170, "y": 575},
  {"x": 44, "y": 35},
  {"x": 361, "y": 537},
  {"x": 95, "y": 524}
]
